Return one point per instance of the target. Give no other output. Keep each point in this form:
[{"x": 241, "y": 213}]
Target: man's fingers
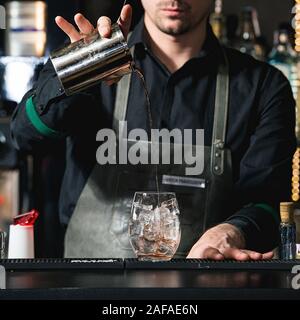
[
  {"x": 236, "y": 254},
  {"x": 68, "y": 29},
  {"x": 228, "y": 253},
  {"x": 212, "y": 253},
  {"x": 104, "y": 26},
  {"x": 253, "y": 254},
  {"x": 83, "y": 24},
  {"x": 104, "y": 23},
  {"x": 268, "y": 255},
  {"x": 208, "y": 253},
  {"x": 125, "y": 19}
]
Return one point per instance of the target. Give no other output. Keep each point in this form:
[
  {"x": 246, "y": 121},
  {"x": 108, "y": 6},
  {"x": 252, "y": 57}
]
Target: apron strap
[
  {"x": 122, "y": 96},
  {"x": 220, "y": 112},
  {"x": 121, "y": 103},
  {"x": 220, "y": 118}
]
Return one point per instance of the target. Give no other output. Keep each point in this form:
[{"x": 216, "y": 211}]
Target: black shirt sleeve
[
  {"x": 59, "y": 115},
  {"x": 265, "y": 170}
]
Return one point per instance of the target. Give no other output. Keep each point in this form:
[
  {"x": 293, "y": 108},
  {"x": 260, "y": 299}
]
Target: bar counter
[{"x": 140, "y": 284}]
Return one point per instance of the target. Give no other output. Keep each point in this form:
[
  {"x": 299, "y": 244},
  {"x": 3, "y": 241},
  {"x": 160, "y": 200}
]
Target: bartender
[{"x": 245, "y": 107}]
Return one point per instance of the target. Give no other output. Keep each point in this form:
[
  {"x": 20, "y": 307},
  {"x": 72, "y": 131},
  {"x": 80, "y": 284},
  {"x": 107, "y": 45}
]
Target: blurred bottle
[
  {"x": 297, "y": 222},
  {"x": 287, "y": 231},
  {"x": 25, "y": 43},
  {"x": 26, "y": 28},
  {"x": 283, "y": 57},
  {"x": 232, "y": 24},
  {"x": 249, "y": 39},
  {"x": 218, "y": 22}
]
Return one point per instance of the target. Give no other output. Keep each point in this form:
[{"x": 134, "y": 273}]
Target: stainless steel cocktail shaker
[{"x": 88, "y": 61}]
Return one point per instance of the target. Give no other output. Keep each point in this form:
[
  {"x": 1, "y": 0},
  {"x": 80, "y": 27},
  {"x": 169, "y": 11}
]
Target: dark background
[{"x": 271, "y": 12}]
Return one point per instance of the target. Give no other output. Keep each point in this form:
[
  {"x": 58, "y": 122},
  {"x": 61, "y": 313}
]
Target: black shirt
[{"x": 260, "y": 130}]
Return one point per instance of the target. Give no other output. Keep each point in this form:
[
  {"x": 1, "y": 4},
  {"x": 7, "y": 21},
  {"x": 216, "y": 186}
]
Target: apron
[{"x": 98, "y": 227}]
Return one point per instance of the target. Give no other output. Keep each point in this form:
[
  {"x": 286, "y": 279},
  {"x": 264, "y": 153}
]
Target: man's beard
[
  {"x": 185, "y": 24},
  {"x": 181, "y": 29}
]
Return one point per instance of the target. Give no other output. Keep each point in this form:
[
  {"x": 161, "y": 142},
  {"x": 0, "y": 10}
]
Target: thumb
[{"x": 125, "y": 19}]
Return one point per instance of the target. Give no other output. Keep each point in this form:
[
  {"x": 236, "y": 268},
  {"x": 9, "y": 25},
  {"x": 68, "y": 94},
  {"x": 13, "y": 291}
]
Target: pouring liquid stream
[{"x": 150, "y": 121}]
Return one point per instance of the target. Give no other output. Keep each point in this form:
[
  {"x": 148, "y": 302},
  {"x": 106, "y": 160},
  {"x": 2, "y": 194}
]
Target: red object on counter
[{"x": 26, "y": 219}]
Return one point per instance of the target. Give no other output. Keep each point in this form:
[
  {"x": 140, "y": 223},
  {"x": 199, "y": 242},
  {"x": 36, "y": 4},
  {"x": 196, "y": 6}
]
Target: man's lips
[{"x": 173, "y": 11}]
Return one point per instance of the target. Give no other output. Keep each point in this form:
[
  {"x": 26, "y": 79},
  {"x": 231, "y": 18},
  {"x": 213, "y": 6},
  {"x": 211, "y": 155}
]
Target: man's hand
[
  {"x": 224, "y": 241},
  {"x": 103, "y": 25}
]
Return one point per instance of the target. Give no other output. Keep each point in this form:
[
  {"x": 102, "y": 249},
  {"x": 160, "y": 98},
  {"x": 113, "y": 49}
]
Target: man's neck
[{"x": 175, "y": 51}]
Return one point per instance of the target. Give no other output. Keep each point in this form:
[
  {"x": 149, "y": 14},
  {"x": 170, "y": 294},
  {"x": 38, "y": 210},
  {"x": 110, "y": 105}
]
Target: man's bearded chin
[
  {"x": 181, "y": 28},
  {"x": 176, "y": 30}
]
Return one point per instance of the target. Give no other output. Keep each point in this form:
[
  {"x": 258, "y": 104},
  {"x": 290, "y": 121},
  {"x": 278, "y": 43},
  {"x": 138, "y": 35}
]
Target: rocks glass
[{"x": 154, "y": 227}]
